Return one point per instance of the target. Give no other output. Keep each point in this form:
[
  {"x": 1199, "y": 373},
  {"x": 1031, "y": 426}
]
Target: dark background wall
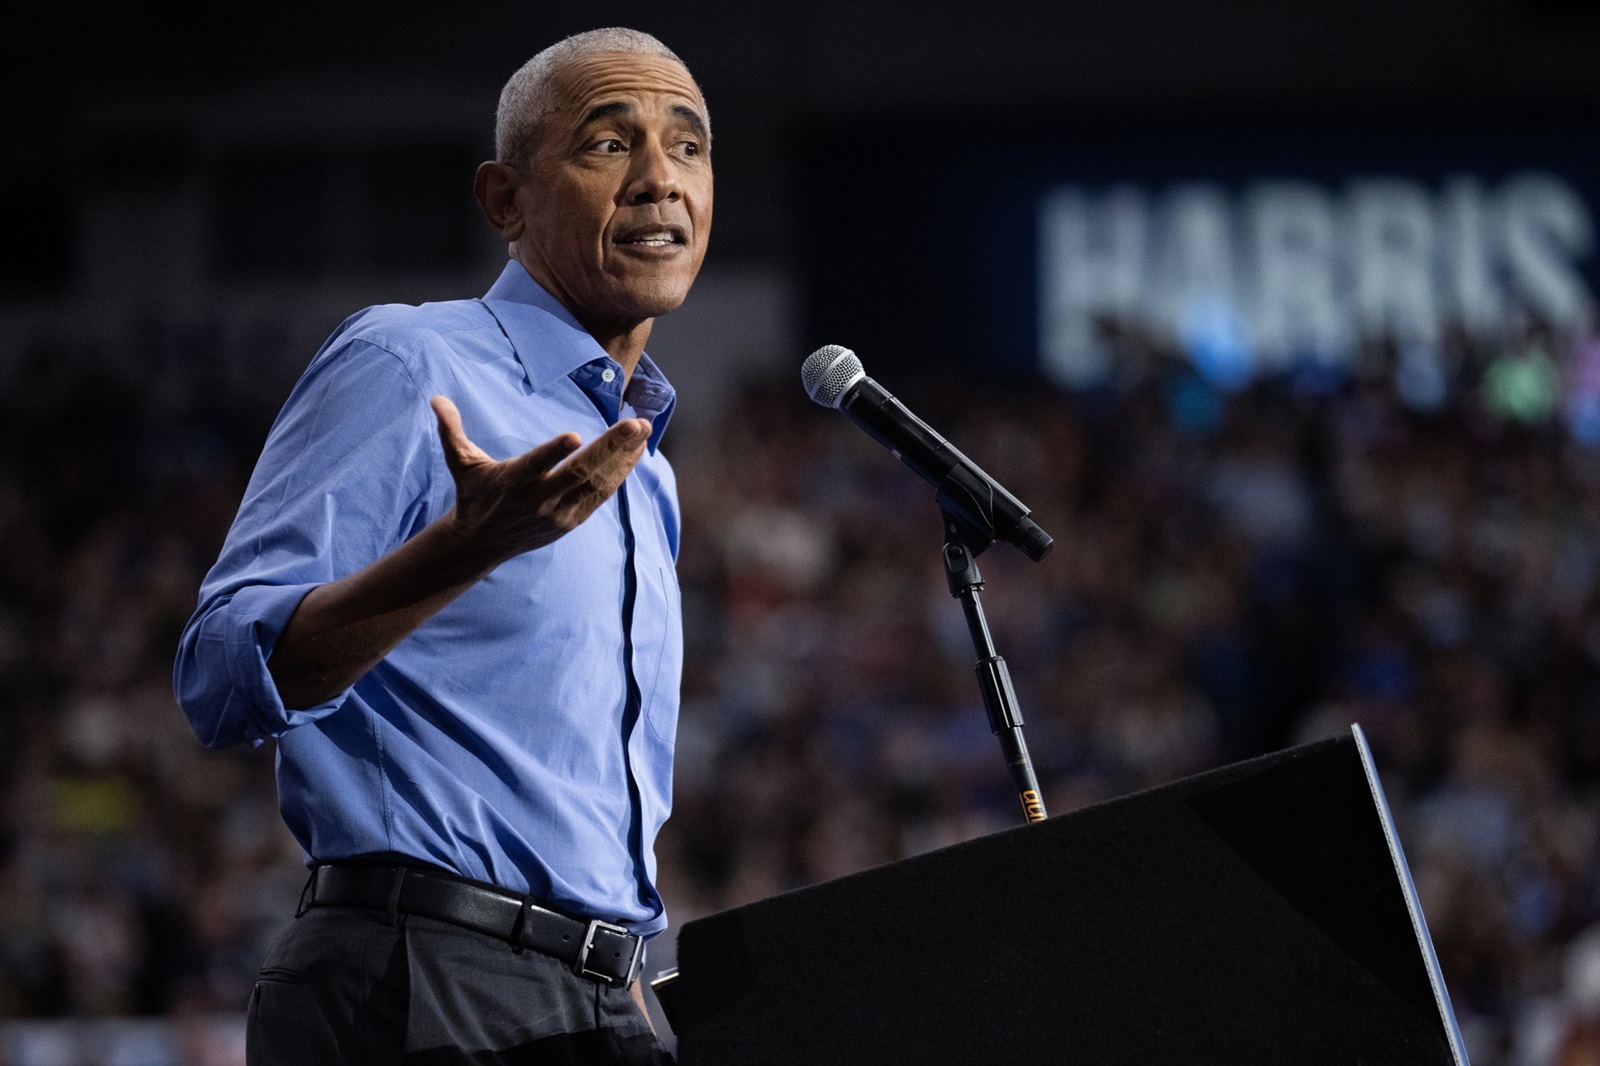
[{"x": 939, "y": 79}]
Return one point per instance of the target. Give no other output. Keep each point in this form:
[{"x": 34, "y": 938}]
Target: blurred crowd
[{"x": 1238, "y": 567}]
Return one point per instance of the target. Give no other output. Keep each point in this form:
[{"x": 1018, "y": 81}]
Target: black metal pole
[{"x": 999, "y": 699}]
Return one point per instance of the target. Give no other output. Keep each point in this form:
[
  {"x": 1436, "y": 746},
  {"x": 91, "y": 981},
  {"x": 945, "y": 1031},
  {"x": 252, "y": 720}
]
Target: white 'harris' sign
[{"x": 1297, "y": 270}]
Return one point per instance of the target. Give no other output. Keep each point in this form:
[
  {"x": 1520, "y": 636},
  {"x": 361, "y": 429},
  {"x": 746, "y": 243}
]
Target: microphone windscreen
[{"x": 829, "y": 372}]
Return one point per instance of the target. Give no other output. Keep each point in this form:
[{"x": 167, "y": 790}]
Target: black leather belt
[{"x": 597, "y": 950}]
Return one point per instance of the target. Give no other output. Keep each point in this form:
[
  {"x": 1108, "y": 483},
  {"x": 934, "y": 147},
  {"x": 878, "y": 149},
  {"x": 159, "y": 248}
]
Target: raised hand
[{"x": 504, "y": 508}]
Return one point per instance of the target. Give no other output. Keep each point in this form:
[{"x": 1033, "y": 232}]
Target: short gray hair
[{"x": 527, "y": 96}]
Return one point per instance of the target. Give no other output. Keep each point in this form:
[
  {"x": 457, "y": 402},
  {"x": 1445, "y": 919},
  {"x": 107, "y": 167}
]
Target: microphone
[{"x": 833, "y": 377}]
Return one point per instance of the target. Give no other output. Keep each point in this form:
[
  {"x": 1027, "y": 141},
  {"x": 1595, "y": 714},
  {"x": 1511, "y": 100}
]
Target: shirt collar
[
  {"x": 652, "y": 396},
  {"x": 550, "y": 344}
]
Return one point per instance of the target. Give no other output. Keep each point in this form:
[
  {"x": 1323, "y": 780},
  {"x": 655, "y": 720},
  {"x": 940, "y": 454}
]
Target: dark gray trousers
[{"x": 361, "y": 987}]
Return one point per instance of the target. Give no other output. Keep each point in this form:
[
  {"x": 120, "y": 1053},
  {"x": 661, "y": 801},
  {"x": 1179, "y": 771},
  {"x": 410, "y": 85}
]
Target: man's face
[{"x": 617, "y": 205}]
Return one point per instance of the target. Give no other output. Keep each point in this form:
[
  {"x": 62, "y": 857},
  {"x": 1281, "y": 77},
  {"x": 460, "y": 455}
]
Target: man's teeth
[{"x": 654, "y": 240}]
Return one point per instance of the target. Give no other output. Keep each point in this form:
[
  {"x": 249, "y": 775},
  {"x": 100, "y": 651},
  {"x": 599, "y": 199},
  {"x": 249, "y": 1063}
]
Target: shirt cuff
[{"x": 256, "y": 617}]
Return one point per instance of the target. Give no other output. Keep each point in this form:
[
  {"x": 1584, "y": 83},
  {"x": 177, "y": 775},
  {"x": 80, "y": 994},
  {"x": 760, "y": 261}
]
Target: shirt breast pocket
[{"x": 660, "y": 694}]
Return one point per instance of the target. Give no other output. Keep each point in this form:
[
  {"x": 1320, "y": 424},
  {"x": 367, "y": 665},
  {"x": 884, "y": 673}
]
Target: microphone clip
[{"x": 968, "y": 510}]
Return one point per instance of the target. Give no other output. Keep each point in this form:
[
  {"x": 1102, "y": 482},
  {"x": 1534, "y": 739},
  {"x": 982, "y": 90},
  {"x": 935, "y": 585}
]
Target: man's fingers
[
  {"x": 606, "y": 460},
  {"x": 568, "y": 478},
  {"x": 535, "y": 497},
  {"x": 444, "y": 409},
  {"x": 591, "y": 476},
  {"x": 541, "y": 458},
  {"x": 458, "y": 449}
]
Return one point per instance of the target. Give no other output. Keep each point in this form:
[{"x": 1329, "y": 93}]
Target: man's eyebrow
[
  {"x": 692, "y": 117},
  {"x": 615, "y": 107},
  {"x": 621, "y": 107}
]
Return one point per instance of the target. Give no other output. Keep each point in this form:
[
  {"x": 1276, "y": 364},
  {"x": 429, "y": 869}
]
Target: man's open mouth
[{"x": 655, "y": 237}]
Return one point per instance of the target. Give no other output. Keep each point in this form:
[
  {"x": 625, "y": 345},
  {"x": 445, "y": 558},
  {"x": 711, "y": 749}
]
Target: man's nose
[{"x": 653, "y": 177}]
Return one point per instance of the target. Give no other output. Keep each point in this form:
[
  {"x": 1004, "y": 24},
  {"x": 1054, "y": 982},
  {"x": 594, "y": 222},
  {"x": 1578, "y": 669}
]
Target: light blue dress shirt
[{"x": 524, "y": 734}]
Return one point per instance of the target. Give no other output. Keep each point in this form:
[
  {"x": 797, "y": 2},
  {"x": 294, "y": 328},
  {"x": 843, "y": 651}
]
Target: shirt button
[{"x": 608, "y": 375}]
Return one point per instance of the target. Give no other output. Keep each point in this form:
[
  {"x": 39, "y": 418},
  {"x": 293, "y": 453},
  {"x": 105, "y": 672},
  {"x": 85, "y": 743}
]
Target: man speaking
[{"x": 460, "y": 622}]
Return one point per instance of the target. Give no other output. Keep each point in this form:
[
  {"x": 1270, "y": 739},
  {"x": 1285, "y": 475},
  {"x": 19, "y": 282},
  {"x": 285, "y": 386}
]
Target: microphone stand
[{"x": 965, "y": 541}]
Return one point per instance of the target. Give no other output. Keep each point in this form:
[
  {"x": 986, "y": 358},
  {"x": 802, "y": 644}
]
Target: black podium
[{"x": 1258, "y": 913}]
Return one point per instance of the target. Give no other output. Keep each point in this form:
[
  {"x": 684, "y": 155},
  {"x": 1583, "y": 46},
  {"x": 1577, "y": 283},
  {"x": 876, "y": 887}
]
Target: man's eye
[
  {"x": 611, "y": 146},
  {"x": 691, "y": 147}
]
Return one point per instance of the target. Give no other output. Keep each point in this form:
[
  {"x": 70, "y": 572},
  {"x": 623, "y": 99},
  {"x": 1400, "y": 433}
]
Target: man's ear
[{"x": 495, "y": 186}]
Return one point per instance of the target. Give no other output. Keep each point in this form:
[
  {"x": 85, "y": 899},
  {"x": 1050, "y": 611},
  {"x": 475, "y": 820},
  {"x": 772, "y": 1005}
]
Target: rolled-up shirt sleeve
[
  {"x": 221, "y": 676},
  {"x": 344, "y": 477}
]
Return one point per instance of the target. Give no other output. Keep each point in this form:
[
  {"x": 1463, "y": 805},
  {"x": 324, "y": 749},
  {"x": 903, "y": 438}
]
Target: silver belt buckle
[{"x": 580, "y": 965}]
